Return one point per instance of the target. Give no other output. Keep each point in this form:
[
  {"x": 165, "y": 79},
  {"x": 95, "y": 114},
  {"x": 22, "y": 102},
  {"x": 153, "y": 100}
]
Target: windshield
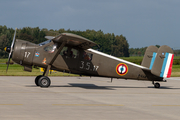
[
  {"x": 50, "y": 48},
  {"x": 45, "y": 42}
]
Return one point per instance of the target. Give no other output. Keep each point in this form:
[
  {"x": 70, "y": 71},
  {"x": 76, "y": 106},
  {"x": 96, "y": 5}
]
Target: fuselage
[
  {"x": 90, "y": 62},
  {"x": 76, "y": 60}
]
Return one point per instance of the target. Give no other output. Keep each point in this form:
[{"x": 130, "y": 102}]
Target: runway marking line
[
  {"x": 11, "y": 104},
  {"x": 168, "y": 105},
  {"x": 91, "y": 93},
  {"x": 87, "y": 105}
]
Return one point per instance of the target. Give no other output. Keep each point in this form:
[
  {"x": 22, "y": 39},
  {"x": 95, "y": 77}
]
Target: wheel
[
  {"x": 157, "y": 85},
  {"x": 36, "y": 80},
  {"x": 44, "y": 81}
]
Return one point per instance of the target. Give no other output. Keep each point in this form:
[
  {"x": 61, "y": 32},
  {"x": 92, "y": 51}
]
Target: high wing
[
  {"x": 70, "y": 40},
  {"x": 74, "y": 40}
]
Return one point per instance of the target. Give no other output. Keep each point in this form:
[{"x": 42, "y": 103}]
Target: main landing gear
[
  {"x": 42, "y": 81},
  {"x": 156, "y": 85}
]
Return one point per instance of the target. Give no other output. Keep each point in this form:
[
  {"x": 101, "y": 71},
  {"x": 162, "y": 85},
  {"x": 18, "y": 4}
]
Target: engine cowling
[{"x": 23, "y": 53}]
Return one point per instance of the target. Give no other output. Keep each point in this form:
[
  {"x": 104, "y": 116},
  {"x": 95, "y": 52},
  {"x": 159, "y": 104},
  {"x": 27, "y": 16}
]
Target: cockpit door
[{"x": 70, "y": 56}]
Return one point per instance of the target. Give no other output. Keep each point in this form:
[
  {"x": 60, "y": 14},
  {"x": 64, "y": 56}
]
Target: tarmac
[{"x": 85, "y": 98}]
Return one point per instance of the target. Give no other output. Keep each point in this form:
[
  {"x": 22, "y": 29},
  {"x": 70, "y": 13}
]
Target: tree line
[
  {"x": 139, "y": 51},
  {"x": 109, "y": 43}
]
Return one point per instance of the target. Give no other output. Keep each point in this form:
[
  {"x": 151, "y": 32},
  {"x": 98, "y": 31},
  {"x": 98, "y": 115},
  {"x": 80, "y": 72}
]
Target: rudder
[{"x": 162, "y": 66}]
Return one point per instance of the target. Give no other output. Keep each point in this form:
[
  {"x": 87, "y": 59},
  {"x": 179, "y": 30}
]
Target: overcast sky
[{"x": 142, "y": 22}]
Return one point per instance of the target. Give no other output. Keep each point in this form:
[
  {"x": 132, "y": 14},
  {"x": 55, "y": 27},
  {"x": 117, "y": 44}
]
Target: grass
[
  {"x": 3, "y": 60},
  {"x": 17, "y": 70},
  {"x": 175, "y": 71},
  {"x": 176, "y": 57}
]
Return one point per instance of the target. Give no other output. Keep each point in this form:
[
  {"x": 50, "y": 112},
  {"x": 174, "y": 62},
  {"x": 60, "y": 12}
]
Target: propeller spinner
[{"x": 10, "y": 49}]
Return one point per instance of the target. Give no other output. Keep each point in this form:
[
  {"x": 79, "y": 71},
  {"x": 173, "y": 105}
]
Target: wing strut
[
  {"x": 46, "y": 71},
  {"x": 57, "y": 52}
]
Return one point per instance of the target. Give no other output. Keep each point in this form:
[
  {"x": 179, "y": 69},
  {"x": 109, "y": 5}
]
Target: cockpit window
[
  {"x": 45, "y": 42},
  {"x": 69, "y": 52},
  {"x": 50, "y": 48},
  {"x": 75, "y": 53},
  {"x": 87, "y": 56},
  {"x": 64, "y": 51}
]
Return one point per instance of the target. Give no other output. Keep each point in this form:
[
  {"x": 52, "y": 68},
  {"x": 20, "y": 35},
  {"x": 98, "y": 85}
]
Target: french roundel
[{"x": 121, "y": 69}]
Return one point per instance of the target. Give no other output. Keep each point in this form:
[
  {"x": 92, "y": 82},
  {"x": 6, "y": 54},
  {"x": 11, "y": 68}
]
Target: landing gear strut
[
  {"x": 156, "y": 85},
  {"x": 43, "y": 80}
]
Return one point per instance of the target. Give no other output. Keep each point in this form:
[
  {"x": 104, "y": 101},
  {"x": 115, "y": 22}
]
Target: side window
[
  {"x": 69, "y": 52},
  {"x": 50, "y": 48},
  {"x": 75, "y": 53},
  {"x": 87, "y": 56},
  {"x": 64, "y": 51}
]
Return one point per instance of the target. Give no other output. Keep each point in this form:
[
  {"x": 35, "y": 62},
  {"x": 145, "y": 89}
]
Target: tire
[
  {"x": 44, "y": 82},
  {"x": 157, "y": 85},
  {"x": 36, "y": 80}
]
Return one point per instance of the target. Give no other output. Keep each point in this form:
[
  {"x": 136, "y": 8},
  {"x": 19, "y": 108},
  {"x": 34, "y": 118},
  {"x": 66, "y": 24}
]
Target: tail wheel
[
  {"x": 36, "y": 80},
  {"x": 157, "y": 85},
  {"x": 44, "y": 82}
]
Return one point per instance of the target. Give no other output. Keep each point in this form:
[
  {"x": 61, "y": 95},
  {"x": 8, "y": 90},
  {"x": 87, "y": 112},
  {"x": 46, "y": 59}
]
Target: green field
[
  {"x": 17, "y": 70},
  {"x": 175, "y": 71}
]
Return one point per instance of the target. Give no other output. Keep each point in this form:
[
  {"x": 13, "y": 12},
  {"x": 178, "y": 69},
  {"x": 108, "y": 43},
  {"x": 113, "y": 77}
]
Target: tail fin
[
  {"x": 149, "y": 57},
  {"x": 162, "y": 66}
]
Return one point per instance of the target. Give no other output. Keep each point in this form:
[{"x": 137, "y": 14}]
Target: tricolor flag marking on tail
[
  {"x": 167, "y": 65},
  {"x": 152, "y": 60}
]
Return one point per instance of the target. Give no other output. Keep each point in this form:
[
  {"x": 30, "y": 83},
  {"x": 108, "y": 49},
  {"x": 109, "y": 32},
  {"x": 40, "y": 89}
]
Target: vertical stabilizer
[
  {"x": 162, "y": 66},
  {"x": 149, "y": 57}
]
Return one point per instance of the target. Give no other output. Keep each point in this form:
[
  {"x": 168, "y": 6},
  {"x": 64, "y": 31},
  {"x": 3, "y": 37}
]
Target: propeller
[{"x": 11, "y": 49}]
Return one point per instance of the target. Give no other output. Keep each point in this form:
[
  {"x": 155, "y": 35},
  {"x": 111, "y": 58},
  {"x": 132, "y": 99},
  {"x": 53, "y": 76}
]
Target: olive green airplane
[{"x": 73, "y": 54}]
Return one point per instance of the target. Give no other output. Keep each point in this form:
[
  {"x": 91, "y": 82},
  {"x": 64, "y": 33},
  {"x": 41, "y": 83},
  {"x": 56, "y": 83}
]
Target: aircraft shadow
[
  {"x": 163, "y": 87},
  {"x": 85, "y": 86},
  {"x": 93, "y": 86}
]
